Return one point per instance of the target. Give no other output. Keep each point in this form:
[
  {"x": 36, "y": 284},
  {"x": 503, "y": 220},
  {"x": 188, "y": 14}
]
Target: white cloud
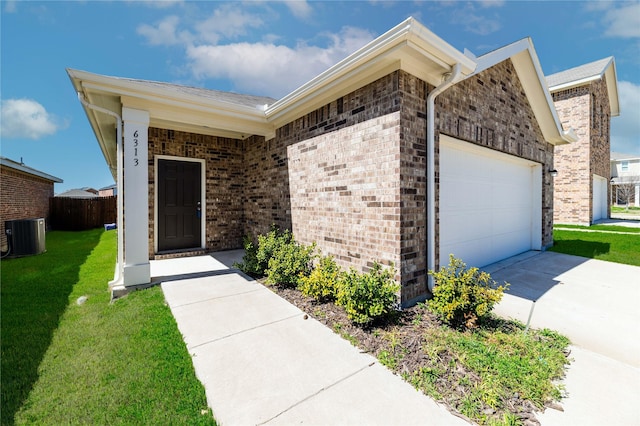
[
  {"x": 157, "y": 4},
  {"x": 10, "y": 6},
  {"x": 491, "y": 3},
  {"x": 623, "y": 21},
  {"x": 270, "y": 69},
  {"x": 26, "y": 118},
  {"x": 226, "y": 21},
  {"x": 473, "y": 20},
  {"x": 625, "y": 129},
  {"x": 299, "y": 8},
  {"x": 165, "y": 32}
]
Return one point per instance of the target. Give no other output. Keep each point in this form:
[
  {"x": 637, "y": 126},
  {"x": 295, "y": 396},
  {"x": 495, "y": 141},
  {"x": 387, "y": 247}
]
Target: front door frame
[{"x": 203, "y": 194}]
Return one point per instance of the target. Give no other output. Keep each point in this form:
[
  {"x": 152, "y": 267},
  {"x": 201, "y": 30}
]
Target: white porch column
[{"x": 136, "y": 268}]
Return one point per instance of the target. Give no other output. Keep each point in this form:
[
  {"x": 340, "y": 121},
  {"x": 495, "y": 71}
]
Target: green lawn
[
  {"x": 613, "y": 228},
  {"x": 95, "y": 363},
  {"x": 619, "y": 248},
  {"x": 615, "y": 209}
]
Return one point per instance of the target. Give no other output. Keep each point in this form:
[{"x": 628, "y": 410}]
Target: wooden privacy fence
[{"x": 78, "y": 214}]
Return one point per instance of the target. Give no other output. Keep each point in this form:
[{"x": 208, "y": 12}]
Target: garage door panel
[{"x": 487, "y": 203}]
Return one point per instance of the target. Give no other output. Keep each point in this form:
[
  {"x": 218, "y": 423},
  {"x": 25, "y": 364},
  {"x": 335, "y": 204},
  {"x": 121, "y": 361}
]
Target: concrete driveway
[{"x": 595, "y": 304}]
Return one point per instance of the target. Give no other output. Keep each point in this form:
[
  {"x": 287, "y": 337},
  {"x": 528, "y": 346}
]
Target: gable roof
[
  {"x": 409, "y": 46},
  {"x": 21, "y": 167},
  {"x": 585, "y": 74},
  {"x": 525, "y": 60},
  {"x": 77, "y": 193}
]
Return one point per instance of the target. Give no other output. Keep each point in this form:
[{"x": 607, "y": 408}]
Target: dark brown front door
[{"x": 179, "y": 214}]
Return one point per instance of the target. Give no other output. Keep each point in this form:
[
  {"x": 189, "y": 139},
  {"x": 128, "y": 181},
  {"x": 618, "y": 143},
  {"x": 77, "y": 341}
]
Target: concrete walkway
[
  {"x": 595, "y": 304},
  {"x": 263, "y": 361}
]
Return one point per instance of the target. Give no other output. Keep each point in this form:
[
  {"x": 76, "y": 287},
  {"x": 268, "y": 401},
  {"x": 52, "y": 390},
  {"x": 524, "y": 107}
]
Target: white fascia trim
[
  {"x": 408, "y": 33},
  {"x": 132, "y": 88},
  {"x": 611, "y": 76},
  {"x": 183, "y": 101},
  {"x": 541, "y": 93},
  {"x": 574, "y": 83}
]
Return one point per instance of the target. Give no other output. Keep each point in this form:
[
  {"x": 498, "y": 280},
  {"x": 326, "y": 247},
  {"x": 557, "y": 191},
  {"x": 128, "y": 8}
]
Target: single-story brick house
[
  {"x": 24, "y": 193},
  {"x": 404, "y": 152},
  {"x": 586, "y": 97}
]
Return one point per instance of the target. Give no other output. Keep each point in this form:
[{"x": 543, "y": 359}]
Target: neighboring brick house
[
  {"x": 24, "y": 193},
  {"x": 107, "y": 191},
  {"x": 625, "y": 179},
  {"x": 83, "y": 193},
  {"x": 403, "y": 152},
  {"x": 586, "y": 98}
]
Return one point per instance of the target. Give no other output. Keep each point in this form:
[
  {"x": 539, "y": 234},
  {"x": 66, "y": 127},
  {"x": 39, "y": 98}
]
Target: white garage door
[
  {"x": 490, "y": 204},
  {"x": 600, "y": 207}
]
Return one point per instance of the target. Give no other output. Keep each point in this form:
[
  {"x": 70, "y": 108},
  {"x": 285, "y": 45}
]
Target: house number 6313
[{"x": 135, "y": 149}]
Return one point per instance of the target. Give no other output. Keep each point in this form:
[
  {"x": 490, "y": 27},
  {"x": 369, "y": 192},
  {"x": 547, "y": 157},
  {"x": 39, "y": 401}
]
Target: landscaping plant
[
  {"x": 289, "y": 262},
  {"x": 370, "y": 296},
  {"x": 322, "y": 283},
  {"x": 256, "y": 259},
  {"x": 461, "y": 296}
]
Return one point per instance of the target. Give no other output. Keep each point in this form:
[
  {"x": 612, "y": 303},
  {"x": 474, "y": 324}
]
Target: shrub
[
  {"x": 256, "y": 258},
  {"x": 269, "y": 244},
  {"x": 250, "y": 264},
  {"x": 370, "y": 296},
  {"x": 463, "y": 296},
  {"x": 322, "y": 283},
  {"x": 289, "y": 262}
]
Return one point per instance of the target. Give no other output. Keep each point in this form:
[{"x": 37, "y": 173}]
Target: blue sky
[{"x": 262, "y": 48}]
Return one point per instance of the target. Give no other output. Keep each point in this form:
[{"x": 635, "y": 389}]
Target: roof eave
[
  {"x": 609, "y": 74},
  {"x": 408, "y": 46},
  {"x": 171, "y": 109},
  {"x": 525, "y": 60},
  {"x": 5, "y": 162}
]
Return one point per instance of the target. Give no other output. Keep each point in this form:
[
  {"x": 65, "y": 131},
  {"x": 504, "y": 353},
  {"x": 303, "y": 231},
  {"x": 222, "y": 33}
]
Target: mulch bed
[{"x": 406, "y": 333}]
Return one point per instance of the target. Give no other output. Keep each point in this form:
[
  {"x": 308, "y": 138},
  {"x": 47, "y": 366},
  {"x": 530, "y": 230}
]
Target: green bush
[
  {"x": 461, "y": 296},
  {"x": 269, "y": 244},
  {"x": 322, "y": 283},
  {"x": 289, "y": 262},
  {"x": 256, "y": 258},
  {"x": 370, "y": 296},
  {"x": 250, "y": 264}
]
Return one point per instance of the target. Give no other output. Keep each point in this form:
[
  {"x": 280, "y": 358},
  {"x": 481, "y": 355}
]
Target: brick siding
[
  {"x": 22, "y": 196},
  {"x": 350, "y": 175},
  {"x": 590, "y": 154}
]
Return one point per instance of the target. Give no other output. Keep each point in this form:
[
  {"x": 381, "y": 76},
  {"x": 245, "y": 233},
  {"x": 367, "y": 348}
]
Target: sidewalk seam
[
  {"x": 317, "y": 393},
  {"x": 245, "y": 330},
  {"x": 215, "y": 298}
]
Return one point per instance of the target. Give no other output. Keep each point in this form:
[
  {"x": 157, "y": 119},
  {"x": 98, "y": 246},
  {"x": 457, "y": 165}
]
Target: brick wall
[
  {"x": 586, "y": 110},
  {"x": 224, "y": 182},
  {"x": 22, "y": 196},
  {"x": 266, "y": 198},
  {"x": 491, "y": 109},
  {"x": 600, "y": 141},
  {"x": 345, "y": 193},
  {"x": 350, "y": 175},
  {"x": 413, "y": 146}
]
